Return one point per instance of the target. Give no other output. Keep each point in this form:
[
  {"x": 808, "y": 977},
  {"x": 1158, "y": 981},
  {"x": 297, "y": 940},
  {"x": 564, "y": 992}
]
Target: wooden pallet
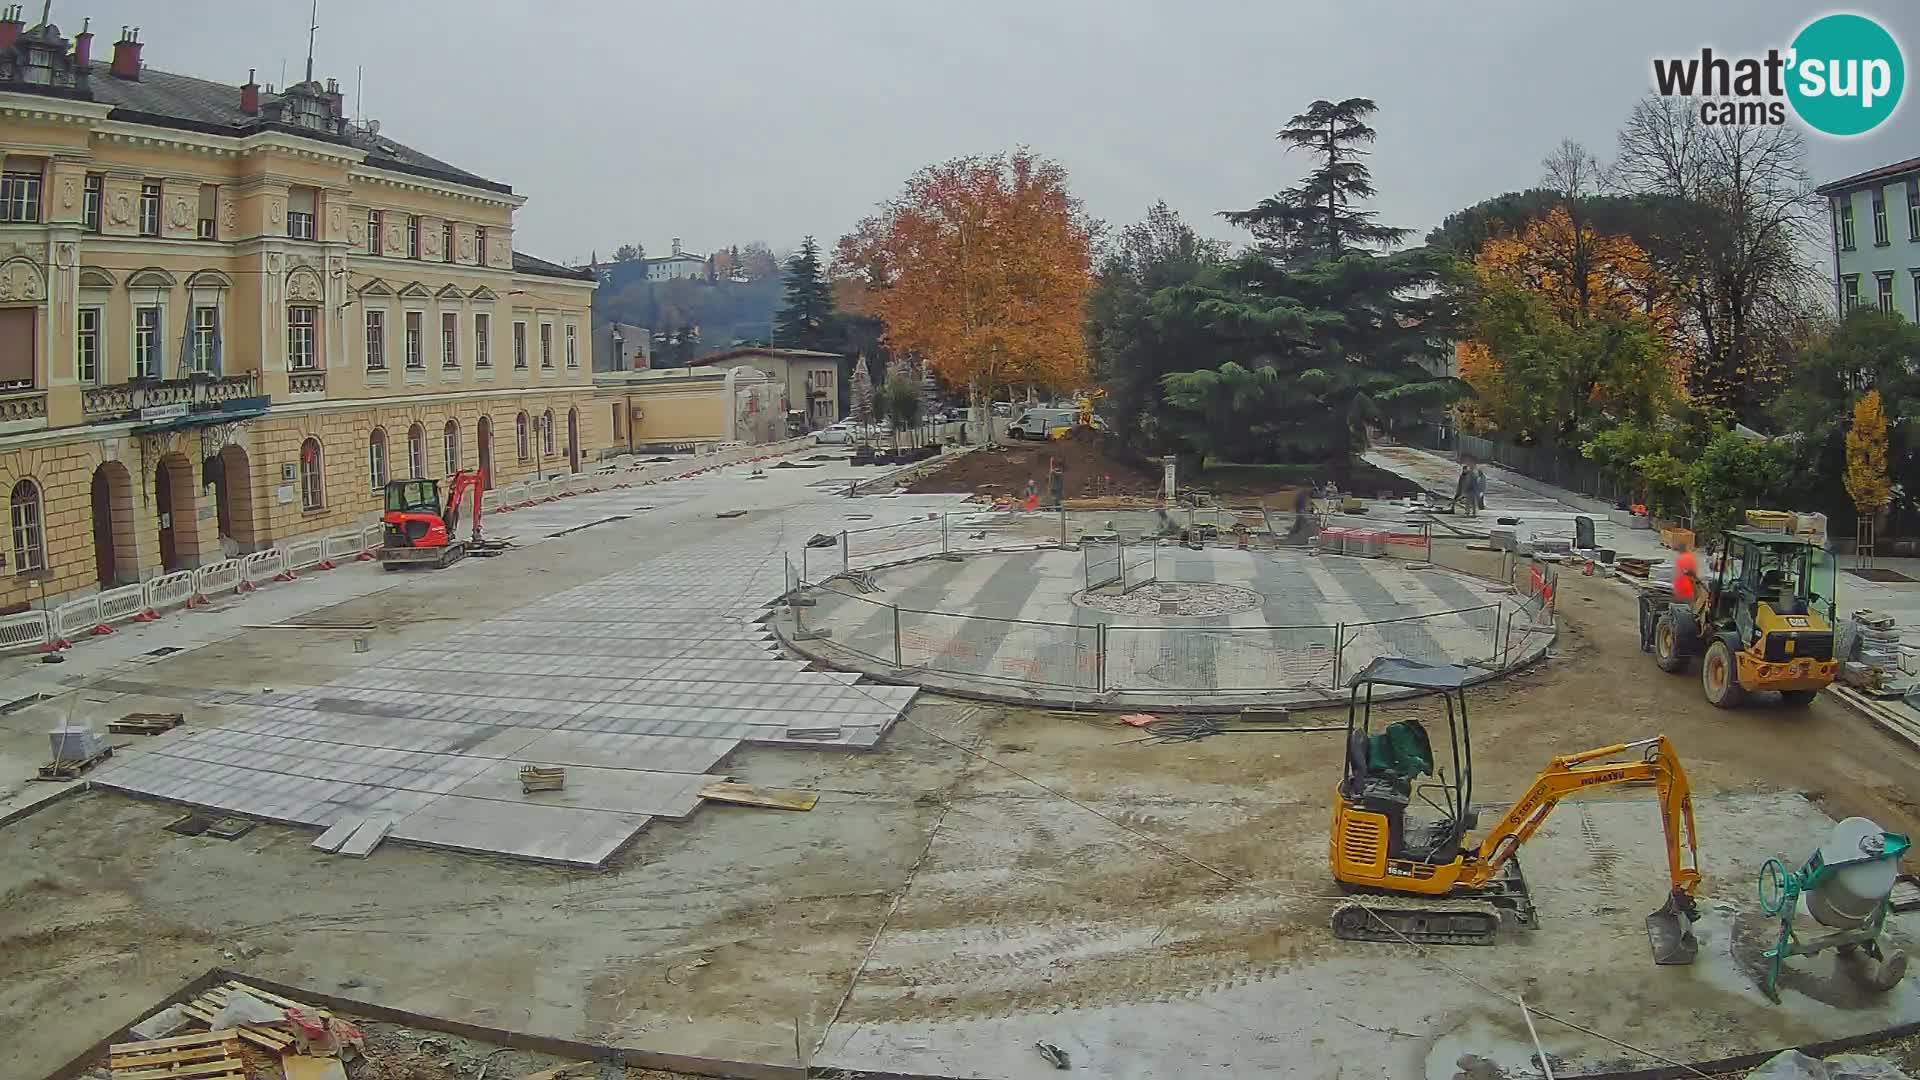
[
  {"x": 146, "y": 723},
  {"x": 212, "y": 1055},
  {"x": 69, "y": 770},
  {"x": 267, "y": 1037}
]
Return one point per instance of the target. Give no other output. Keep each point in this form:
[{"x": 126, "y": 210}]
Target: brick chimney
[
  {"x": 250, "y": 96},
  {"x": 336, "y": 100},
  {"x": 126, "y": 55},
  {"x": 10, "y": 25},
  {"x": 83, "y": 46}
]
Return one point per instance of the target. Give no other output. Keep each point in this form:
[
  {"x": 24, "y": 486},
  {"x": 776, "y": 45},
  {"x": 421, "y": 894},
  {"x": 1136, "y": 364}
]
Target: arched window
[
  {"x": 520, "y": 435},
  {"x": 377, "y": 459},
  {"x": 450, "y": 446},
  {"x": 546, "y": 433},
  {"x": 29, "y": 541},
  {"x": 417, "y": 451},
  {"x": 313, "y": 482}
]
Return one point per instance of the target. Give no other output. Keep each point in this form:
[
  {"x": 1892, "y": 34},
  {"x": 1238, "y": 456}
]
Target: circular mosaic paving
[{"x": 1172, "y": 598}]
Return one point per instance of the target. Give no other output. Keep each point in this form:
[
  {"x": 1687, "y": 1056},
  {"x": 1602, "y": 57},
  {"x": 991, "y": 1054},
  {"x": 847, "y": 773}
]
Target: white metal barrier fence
[
  {"x": 75, "y": 619},
  {"x": 263, "y": 566},
  {"x": 170, "y": 590},
  {"x": 223, "y": 576},
  {"x": 26, "y": 630},
  {"x": 123, "y": 603},
  {"x": 305, "y": 554}
]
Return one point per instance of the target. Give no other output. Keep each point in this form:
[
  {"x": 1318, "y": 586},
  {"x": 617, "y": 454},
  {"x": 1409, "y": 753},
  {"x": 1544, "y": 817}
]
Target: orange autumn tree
[
  {"x": 1571, "y": 328},
  {"x": 981, "y": 267}
]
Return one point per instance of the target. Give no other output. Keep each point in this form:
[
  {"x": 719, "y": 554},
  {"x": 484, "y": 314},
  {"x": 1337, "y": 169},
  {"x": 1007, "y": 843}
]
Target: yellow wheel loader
[
  {"x": 1762, "y": 621},
  {"x": 1430, "y": 881}
]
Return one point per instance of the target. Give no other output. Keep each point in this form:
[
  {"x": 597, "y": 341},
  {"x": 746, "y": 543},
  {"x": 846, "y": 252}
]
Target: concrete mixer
[{"x": 1847, "y": 886}]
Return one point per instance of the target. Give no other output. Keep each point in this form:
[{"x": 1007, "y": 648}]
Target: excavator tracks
[{"x": 1422, "y": 920}]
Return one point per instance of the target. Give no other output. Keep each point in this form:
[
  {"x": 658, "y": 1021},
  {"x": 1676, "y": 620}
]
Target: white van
[{"x": 1041, "y": 423}]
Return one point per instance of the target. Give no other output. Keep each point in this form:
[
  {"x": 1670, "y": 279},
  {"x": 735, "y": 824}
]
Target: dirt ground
[
  {"x": 738, "y": 932},
  {"x": 1092, "y": 471}
]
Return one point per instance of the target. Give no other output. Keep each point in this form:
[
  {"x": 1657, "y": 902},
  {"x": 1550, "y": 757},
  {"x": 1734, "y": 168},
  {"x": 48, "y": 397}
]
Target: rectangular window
[
  {"x": 446, "y": 242},
  {"x": 520, "y": 346},
  {"x": 376, "y": 341},
  {"x": 1850, "y": 293},
  {"x": 376, "y": 224},
  {"x": 1884, "y": 283},
  {"x": 146, "y": 343},
  {"x": 19, "y": 196},
  {"x": 482, "y": 341},
  {"x": 1913, "y": 208},
  {"x": 91, "y": 192},
  {"x": 546, "y": 345},
  {"x": 300, "y": 210},
  {"x": 480, "y": 244},
  {"x": 302, "y": 322},
  {"x": 86, "y": 346},
  {"x": 150, "y": 209},
  {"x": 1845, "y": 205},
  {"x": 449, "y": 339},
  {"x": 415, "y": 358},
  {"x": 413, "y": 236},
  {"x": 209, "y": 209},
  {"x": 573, "y": 346},
  {"x": 1879, "y": 217},
  {"x": 206, "y": 330}
]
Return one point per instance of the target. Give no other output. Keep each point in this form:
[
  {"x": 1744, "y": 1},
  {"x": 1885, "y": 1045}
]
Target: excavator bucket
[{"x": 1670, "y": 931}]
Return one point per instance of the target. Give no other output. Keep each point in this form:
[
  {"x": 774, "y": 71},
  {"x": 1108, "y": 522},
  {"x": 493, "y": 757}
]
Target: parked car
[
  {"x": 841, "y": 433},
  {"x": 1040, "y": 423}
]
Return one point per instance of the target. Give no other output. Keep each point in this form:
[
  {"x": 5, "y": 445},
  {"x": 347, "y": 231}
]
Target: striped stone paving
[{"x": 639, "y": 683}]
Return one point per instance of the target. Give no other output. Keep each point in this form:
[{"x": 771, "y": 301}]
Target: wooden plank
[
  {"x": 174, "y": 1054},
  {"x": 201, "y": 1038},
  {"x": 222, "y": 1066},
  {"x": 267, "y": 996},
  {"x": 770, "y": 798},
  {"x": 308, "y": 1067}
]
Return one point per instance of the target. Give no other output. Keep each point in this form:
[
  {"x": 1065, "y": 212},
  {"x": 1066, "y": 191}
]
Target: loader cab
[
  {"x": 413, "y": 496},
  {"x": 1392, "y": 768},
  {"x": 1796, "y": 580}
]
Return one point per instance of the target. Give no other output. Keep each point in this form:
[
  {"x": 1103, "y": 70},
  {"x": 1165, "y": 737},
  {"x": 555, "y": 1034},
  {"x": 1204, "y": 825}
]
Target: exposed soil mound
[{"x": 1005, "y": 470}]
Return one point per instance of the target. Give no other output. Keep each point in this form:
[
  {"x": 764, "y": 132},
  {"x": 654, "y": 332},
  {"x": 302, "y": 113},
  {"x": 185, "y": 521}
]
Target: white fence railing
[
  {"x": 25, "y": 630},
  {"x": 263, "y": 566},
  {"x": 170, "y": 590},
  {"x": 306, "y": 554},
  {"x": 341, "y": 546},
  {"x": 76, "y": 618},
  {"x": 371, "y": 537},
  {"x": 216, "y": 578},
  {"x": 123, "y": 603}
]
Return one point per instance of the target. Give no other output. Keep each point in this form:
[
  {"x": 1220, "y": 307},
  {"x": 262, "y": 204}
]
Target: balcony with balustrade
[{"x": 156, "y": 399}]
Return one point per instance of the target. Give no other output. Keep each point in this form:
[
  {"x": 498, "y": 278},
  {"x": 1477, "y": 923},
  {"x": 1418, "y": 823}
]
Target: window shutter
[
  {"x": 17, "y": 364},
  {"x": 300, "y": 200}
]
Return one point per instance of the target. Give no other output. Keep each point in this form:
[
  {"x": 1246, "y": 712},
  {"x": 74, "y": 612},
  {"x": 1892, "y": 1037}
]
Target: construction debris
[
  {"x": 1055, "y": 1056},
  {"x": 303, "y": 1067},
  {"x": 771, "y": 798},
  {"x": 541, "y": 778}
]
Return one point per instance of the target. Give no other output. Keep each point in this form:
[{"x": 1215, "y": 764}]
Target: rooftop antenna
[
  {"x": 313, "y": 24},
  {"x": 46, "y": 14},
  {"x": 359, "y": 75}
]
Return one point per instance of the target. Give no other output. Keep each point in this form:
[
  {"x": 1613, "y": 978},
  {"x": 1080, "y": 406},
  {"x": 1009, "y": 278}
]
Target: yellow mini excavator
[{"x": 1430, "y": 882}]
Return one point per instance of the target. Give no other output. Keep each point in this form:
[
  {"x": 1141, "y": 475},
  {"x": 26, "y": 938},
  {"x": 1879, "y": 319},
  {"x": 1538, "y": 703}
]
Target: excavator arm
[
  {"x": 464, "y": 483},
  {"x": 1596, "y": 768},
  {"x": 1668, "y": 927}
]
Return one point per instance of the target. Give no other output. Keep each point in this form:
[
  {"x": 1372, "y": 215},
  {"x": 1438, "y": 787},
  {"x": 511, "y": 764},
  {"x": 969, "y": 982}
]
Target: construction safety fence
[
  {"x": 1094, "y": 658},
  {"x": 61, "y": 626}
]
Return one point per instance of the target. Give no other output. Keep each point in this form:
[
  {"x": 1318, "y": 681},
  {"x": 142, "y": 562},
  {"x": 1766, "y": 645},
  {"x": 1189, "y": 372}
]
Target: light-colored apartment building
[
  {"x": 228, "y": 316},
  {"x": 1876, "y": 239}
]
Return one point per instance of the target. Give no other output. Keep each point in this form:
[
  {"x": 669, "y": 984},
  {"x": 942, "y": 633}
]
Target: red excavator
[{"x": 417, "y": 530}]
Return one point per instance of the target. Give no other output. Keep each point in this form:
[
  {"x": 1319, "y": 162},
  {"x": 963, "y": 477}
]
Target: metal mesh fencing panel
[
  {"x": 1100, "y": 561},
  {"x": 1139, "y": 564},
  {"x": 1466, "y": 636},
  {"x": 883, "y": 544},
  {"x": 1217, "y": 659},
  {"x": 1051, "y": 655}
]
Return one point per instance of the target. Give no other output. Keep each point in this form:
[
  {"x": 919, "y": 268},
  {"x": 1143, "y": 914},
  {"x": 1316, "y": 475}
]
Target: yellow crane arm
[{"x": 1572, "y": 773}]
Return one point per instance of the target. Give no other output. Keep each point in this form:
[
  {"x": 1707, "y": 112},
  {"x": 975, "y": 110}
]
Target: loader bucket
[{"x": 1670, "y": 931}]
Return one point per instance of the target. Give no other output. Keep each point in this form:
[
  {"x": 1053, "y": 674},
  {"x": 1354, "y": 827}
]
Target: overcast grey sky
[{"x": 725, "y": 122}]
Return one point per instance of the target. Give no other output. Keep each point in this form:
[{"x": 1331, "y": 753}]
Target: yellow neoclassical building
[{"x": 228, "y": 316}]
